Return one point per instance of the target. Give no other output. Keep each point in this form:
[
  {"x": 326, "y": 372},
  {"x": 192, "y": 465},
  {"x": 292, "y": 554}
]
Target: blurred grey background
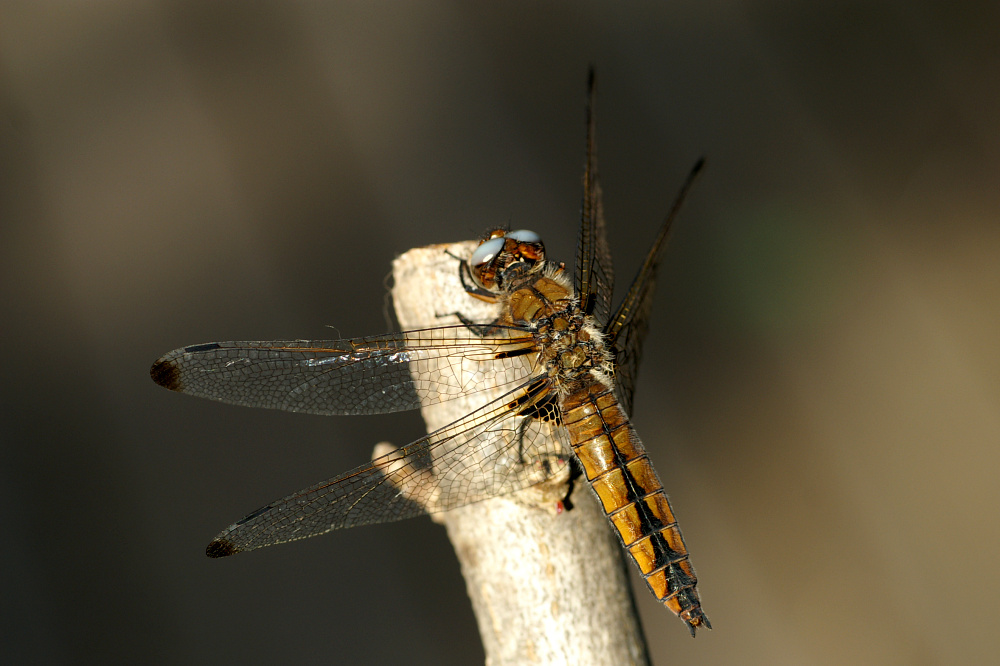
[{"x": 820, "y": 392}]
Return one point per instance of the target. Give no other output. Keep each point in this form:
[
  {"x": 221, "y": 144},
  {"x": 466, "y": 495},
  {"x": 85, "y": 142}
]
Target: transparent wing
[
  {"x": 482, "y": 455},
  {"x": 595, "y": 277},
  {"x": 371, "y": 375},
  {"x": 626, "y": 331}
]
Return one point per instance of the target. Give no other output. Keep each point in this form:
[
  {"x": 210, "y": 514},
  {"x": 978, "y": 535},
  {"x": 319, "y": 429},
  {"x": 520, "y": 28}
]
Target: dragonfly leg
[
  {"x": 550, "y": 473},
  {"x": 522, "y": 428},
  {"x": 465, "y": 277},
  {"x": 468, "y": 284},
  {"x": 479, "y": 330}
]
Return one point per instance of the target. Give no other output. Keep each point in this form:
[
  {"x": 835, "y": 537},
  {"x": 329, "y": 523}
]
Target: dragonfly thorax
[{"x": 572, "y": 348}]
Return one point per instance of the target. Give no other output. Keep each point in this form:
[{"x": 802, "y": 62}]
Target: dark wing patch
[
  {"x": 164, "y": 372},
  {"x": 221, "y": 548}
]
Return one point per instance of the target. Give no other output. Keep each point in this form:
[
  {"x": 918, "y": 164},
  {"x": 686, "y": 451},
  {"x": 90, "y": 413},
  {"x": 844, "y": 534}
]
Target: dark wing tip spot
[
  {"x": 164, "y": 372},
  {"x": 221, "y": 548}
]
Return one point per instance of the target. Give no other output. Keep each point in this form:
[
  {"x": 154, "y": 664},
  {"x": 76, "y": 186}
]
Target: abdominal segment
[{"x": 632, "y": 496}]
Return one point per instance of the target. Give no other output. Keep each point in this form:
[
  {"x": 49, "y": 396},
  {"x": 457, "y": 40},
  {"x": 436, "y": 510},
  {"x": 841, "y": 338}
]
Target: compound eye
[
  {"x": 482, "y": 258},
  {"x": 485, "y": 253},
  {"x": 525, "y": 236}
]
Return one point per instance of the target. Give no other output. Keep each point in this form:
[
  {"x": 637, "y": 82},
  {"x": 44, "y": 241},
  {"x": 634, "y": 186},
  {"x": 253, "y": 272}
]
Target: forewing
[
  {"x": 487, "y": 453},
  {"x": 595, "y": 278},
  {"x": 371, "y": 375},
  {"x": 626, "y": 331}
]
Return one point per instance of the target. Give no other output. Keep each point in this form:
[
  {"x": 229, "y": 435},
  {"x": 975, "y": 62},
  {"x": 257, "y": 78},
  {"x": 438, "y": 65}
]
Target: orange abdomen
[{"x": 632, "y": 496}]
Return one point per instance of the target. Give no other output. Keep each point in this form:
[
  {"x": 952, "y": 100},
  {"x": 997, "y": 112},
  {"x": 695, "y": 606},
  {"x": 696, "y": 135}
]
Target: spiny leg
[{"x": 465, "y": 277}]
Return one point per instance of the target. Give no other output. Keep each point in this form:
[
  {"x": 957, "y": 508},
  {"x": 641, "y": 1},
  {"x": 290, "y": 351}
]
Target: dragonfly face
[
  {"x": 565, "y": 363},
  {"x": 503, "y": 256}
]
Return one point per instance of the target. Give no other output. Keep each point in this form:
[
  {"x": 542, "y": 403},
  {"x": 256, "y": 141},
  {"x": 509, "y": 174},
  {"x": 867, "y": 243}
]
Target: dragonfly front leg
[
  {"x": 548, "y": 472},
  {"x": 469, "y": 286},
  {"x": 479, "y": 330}
]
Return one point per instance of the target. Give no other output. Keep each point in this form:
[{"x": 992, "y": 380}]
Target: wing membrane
[
  {"x": 371, "y": 375},
  {"x": 595, "y": 278},
  {"x": 626, "y": 331},
  {"x": 478, "y": 456}
]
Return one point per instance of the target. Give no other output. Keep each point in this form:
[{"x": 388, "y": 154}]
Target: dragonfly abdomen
[{"x": 632, "y": 496}]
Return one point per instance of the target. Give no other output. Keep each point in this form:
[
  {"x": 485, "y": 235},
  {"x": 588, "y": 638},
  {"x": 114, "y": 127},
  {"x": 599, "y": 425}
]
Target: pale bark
[{"x": 546, "y": 587}]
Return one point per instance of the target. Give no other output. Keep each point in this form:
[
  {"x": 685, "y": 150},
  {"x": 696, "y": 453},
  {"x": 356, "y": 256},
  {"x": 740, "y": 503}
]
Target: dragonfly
[{"x": 563, "y": 359}]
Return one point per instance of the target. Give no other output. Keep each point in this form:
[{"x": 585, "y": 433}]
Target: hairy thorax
[{"x": 573, "y": 350}]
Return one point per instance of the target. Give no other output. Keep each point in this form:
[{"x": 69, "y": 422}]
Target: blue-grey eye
[
  {"x": 524, "y": 236},
  {"x": 485, "y": 253}
]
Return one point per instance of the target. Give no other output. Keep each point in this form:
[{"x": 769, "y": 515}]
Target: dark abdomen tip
[
  {"x": 164, "y": 372},
  {"x": 221, "y": 548}
]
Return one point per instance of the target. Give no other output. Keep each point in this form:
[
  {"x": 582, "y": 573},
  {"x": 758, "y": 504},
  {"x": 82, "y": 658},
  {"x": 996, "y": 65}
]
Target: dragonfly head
[{"x": 505, "y": 255}]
